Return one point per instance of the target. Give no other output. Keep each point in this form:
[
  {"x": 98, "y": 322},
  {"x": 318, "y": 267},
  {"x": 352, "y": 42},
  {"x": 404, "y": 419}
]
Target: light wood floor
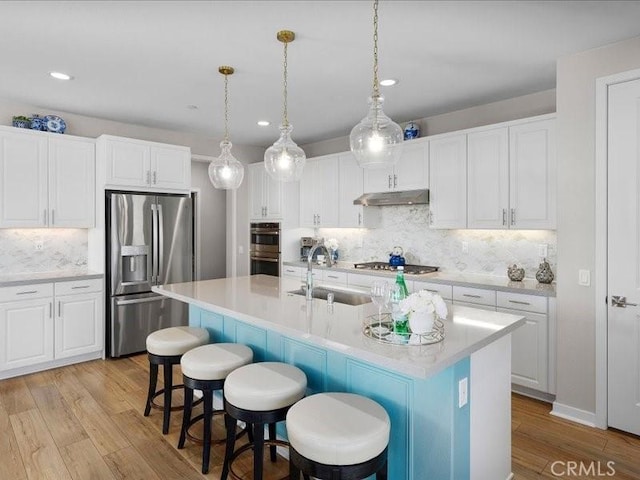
[{"x": 85, "y": 422}]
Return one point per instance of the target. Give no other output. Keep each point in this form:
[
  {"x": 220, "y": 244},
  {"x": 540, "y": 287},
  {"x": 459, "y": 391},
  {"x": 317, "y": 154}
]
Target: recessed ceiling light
[
  {"x": 192, "y": 107},
  {"x": 264, "y": 123},
  {"x": 60, "y": 75},
  {"x": 388, "y": 82}
]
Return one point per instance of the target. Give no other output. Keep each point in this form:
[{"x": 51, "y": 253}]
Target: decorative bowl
[{"x": 55, "y": 124}]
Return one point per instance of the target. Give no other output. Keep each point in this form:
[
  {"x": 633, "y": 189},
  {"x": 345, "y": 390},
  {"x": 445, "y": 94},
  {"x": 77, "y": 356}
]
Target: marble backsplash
[
  {"x": 488, "y": 252},
  {"x": 62, "y": 249}
]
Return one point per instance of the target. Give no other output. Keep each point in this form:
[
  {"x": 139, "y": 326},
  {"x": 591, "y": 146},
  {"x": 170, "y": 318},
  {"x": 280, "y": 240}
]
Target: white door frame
[{"x": 601, "y": 147}]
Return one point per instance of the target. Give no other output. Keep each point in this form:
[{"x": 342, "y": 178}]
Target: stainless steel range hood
[{"x": 406, "y": 197}]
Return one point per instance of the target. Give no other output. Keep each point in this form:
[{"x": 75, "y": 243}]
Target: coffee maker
[{"x": 306, "y": 244}]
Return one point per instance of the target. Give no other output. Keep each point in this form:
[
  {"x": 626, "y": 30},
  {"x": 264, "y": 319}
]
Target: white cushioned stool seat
[
  {"x": 215, "y": 361},
  {"x": 174, "y": 341},
  {"x": 265, "y": 386},
  {"x": 338, "y": 428}
]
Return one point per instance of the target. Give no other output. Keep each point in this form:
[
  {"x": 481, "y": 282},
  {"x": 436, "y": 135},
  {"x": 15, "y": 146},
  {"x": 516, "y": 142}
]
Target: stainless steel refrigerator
[{"x": 149, "y": 242}]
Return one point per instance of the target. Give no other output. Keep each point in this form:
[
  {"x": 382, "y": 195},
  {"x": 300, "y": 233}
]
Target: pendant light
[
  {"x": 225, "y": 172},
  {"x": 376, "y": 141},
  {"x": 284, "y": 160}
]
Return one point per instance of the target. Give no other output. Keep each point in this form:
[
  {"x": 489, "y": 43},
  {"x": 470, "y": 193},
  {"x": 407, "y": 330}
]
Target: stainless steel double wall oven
[{"x": 265, "y": 249}]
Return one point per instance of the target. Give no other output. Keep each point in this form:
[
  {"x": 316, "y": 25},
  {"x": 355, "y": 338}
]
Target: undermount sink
[{"x": 339, "y": 296}]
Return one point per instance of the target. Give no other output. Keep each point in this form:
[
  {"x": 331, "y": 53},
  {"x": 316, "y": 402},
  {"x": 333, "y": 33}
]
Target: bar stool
[
  {"x": 205, "y": 368},
  {"x": 165, "y": 348},
  {"x": 338, "y": 436},
  {"x": 259, "y": 394}
]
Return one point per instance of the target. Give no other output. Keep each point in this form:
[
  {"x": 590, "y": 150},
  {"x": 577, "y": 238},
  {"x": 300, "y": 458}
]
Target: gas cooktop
[{"x": 410, "y": 269}]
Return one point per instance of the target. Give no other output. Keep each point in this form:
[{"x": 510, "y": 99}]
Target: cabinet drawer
[
  {"x": 445, "y": 291},
  {"x": 26, "y": 292},
  {"x": 474, "y": 295},
  {"x": 364, "y": 280},
  {"x": 79, "y": 286},
  {"x": 289, "y": 271},
  {"x": 520, "y": 301},
  {"x": 330, "y": 276}
]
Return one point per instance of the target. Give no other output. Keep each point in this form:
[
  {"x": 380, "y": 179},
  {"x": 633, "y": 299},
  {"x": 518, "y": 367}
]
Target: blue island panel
[{"x": 429, "y": 433}]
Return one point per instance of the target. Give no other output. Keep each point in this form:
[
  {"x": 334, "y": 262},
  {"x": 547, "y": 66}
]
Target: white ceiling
[{"x": 143, "y": 62}]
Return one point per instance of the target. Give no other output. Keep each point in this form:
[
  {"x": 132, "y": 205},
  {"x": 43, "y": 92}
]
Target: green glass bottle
[{"x": 400, "y": 321}]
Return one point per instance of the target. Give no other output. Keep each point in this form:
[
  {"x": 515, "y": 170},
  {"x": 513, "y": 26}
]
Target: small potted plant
[
  {"x": 21, "y": 121},
  {"x": 423, "y": 308}
]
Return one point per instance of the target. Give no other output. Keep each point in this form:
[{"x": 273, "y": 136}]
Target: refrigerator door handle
[
  {"x": 140, "y": 300},
  {"x": 160, "y": 254},
  {"x": 154, "y": 244}
]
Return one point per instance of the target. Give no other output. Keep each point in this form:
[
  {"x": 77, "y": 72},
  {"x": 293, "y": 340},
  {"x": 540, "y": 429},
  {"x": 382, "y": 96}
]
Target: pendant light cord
[
  {"x": 226, "y": 108},
  {"x": 376, "y": 87},
  {"x": 285, "y": 118}
]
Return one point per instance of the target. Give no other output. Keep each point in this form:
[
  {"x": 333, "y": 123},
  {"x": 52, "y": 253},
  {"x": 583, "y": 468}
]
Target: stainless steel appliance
[
  {"x": 306, "y": 243},
  {"x": 410, "y": 269},
  {"x": 264, "y": 252},
  {"x": 149, "y": 242}
]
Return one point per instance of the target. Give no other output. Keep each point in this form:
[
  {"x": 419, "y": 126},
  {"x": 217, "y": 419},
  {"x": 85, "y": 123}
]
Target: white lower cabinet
[
  {"x": 48, "y": 324},
  {"x": 26, "y": 333}
]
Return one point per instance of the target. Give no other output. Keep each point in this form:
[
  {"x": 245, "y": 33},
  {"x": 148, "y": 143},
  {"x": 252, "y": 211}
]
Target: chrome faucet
[{"x": 310, "y": 267}]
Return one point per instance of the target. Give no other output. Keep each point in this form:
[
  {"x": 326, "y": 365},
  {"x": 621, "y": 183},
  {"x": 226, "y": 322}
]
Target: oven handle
[
  {"x": 265, "y": 232},
  {"x": 265, "y": 259}
]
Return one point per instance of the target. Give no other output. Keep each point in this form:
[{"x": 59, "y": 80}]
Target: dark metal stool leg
[
  {"x": 186, "y": 416},
  {"x": 167, "y": 370},
  {"x": 258, "y": 450},
  {"x": 230, "y": 424},
  {"x": 272, "y": 436},
  {"x": 382, "y": 473},
  {"x": 153, "y": 382},
  {"x": 206, "y": 445},
  {"x": 294, "y": 471}
]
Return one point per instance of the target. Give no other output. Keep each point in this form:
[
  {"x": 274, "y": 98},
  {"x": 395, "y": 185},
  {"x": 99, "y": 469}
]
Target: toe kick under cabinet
[{"x": 47, "y": 325}]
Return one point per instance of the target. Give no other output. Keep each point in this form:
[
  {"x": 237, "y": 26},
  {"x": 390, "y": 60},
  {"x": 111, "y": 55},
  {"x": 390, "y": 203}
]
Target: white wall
[
  {"x": 502, "y": 111},
  {"x": 576, "y": 75},
  {"x": 214, "y": 211}
]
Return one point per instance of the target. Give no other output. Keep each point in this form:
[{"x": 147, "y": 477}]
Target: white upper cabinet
[
  {"x": 488, "y": 178},
  {"x": 319, "y": 192},
  {"x": 48, "y": 180},
  {"x": 351, "y": 187},
  {"x": 532, "y": 171},
  {"x": 265, "y": 194},
  {"x": 72, "y": 182},
  {"x": 410, "y": 173},
  {"x": 448, "y": 181},
  {"x": 135, "y": 164}
]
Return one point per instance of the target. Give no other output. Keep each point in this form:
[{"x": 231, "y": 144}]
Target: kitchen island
[{"x": 449, "y": 402}]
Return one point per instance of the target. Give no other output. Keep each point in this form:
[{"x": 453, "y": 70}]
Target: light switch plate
[
  {"x": 465, "y": 247},
  {"x": 584, "y": 278}
]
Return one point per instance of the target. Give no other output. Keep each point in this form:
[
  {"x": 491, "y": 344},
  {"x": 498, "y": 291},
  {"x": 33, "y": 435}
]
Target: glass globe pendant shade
[
  {"x": 376, "y": 141},
  {"x": 284, "y": 160},
  {"x": 226, "y": 172}
]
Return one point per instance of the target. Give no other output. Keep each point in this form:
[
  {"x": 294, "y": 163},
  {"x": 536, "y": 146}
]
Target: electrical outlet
[
  {"x": 463, "y": 392},
  {"x": 465, "y": 247},
  {"x": 584, "y": 278},
  {"x": 543, "y": 250},
  {"x": 38, "y": 245}
]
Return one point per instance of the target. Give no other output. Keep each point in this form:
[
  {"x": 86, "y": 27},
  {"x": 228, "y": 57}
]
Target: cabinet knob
[
  {"x": 504, "y": 216},
  {"x": 389, "y": 181},
  {"x": 155, "y": 177},
  {"x": 395, "y": 181},
  {"x": 359, "y": 219},
  {"x": 513, "y": 216}
]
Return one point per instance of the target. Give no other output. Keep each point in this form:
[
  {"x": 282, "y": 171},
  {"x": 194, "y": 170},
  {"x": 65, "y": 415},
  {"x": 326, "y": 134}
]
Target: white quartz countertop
[
  {"x": 529, "y": 286},
  {"x": 265, "y": 301},
  {"x": 17, "y": 279}
]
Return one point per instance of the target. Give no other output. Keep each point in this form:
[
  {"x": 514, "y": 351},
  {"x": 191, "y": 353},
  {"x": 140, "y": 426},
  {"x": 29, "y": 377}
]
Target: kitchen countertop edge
[{"x": 46, "y": 277}]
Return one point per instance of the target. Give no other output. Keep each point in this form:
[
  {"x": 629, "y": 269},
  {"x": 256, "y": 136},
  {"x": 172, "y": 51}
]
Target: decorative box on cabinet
[
  {"x": 47, "y": 325},
  {"x": 136, "y": 164},
  {"x": 48, "y": 180},
  {"x": 319, "y": 195},
  {"x": 410, "y": 173}
]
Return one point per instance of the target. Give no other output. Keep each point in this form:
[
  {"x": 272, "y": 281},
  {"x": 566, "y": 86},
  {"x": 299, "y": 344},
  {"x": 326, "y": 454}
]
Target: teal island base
[{"x": 440, "y": 428}]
